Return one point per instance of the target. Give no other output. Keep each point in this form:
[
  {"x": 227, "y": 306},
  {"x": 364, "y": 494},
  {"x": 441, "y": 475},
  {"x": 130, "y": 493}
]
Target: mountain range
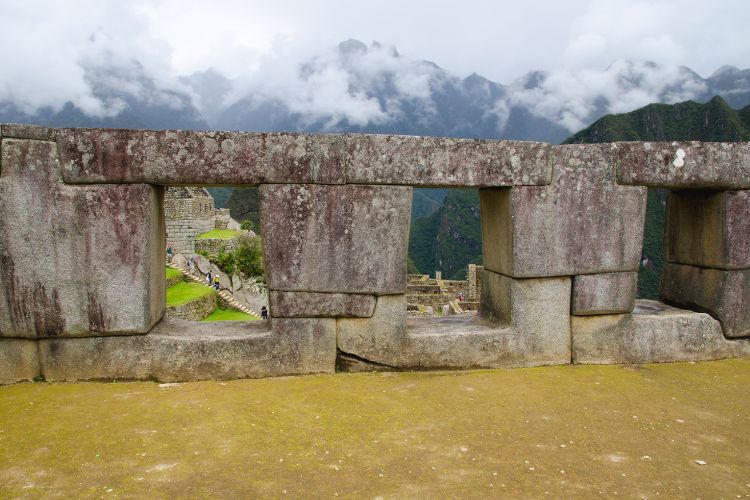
[{"x": 374, "y": 89}]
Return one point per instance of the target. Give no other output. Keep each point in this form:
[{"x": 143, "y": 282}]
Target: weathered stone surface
[
  {"x": 725, "y": 295},
  {"x": 19, "y": 360},
  {"x": 195, "y": 310},
  {"x": 440, "y": 161},
  {"x": 316, "y": 305},
  {"x": 608, "y": 293},
  {"x": 344, "y": 239},
  {"x": 684, "y": 164},
  {"x": 174, "y": 158},
  {"x": 582, "y": 223},
  {"x": 653, "y": 333},
  {"x": 709, "y": 228},
  {"x": 534, "y": 330},
  {"x": 34, "y": 132},
  {"x": 178, "y": 351},
  {"x": 75, "y": 260}
]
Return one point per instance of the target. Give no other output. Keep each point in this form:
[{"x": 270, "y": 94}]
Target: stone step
[{"x": 223, "y": 293}]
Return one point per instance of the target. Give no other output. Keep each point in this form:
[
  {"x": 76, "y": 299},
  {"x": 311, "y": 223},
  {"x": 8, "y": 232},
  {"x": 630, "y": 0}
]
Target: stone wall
[
  {"x": 214, "y": 246},
  {"x": 562, "y": 233},
  {"x": 190, "y": 211}
]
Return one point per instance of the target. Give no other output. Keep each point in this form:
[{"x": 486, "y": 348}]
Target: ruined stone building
[
  {"x": 562, "y": 233},
  {"x": 190, "y": 211}
]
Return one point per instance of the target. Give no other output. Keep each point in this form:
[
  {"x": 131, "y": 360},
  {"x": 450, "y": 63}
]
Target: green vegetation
[
  {"x": 221, "y": 234},
  {"x": 244, "y": 204},
  {"x": 450, "y": 238},
  {"x": 228, "y": 315},
  {"x": 185, "y": 292},
  {"x": 247, "y": 225},
  {"x": 172, "y": 273},
  {"x": 686, "y": 121},
  {"x": 570, "y": 431},
  {"x": 246, "y": 258}
]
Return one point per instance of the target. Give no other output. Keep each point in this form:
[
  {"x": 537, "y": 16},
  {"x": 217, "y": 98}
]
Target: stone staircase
[{"x": 222, "y": 293}]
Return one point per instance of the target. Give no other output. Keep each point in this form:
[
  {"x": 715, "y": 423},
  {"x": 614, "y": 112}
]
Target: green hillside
[
  {"x": 450, "y": 238},
  {"x": 686, "y": 121},
  {"x": 713, "y": 121}
]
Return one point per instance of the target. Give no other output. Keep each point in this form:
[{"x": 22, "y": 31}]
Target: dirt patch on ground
[{"x": 557, "y": 431}]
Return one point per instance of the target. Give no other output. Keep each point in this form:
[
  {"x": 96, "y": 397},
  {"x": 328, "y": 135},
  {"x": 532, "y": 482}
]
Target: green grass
[
  {"x": 184, "y": 292},
  {"x": 228, "y": 315},
  {"x": 172, "y": 273},
  {"x": 222, "y": 234}
]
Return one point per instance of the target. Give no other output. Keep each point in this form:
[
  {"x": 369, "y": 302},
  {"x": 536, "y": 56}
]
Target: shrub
[
  {"x": 247, "y": 225},
  {"x": 246, "y": 258}
]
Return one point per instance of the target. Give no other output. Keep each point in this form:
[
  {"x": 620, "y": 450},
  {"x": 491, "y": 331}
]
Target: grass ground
[
  {"x": 228, "y": 315},
  {"x": 172, "y": 273},
  {"x": 568, "y": 431},
  {"x": 184, "y": 292},
  {"x": 224, "y": 234}
]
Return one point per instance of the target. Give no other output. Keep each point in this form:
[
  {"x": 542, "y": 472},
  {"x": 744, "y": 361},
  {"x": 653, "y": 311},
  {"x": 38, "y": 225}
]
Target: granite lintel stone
[
  {"x": 441, "y": 161},
  {"x": 176, "y": 158},
  {"x": 684, "y": 165}
]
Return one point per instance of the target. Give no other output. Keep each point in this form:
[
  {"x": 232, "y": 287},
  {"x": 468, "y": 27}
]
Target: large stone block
[
  {"x": 608, "y": 293},
  {"x": 174, "y": 158},
  {"x": 678, "y": 165},
  {"x": 341, "y": 239},
  {"x": 440, "y": 161},
  {"x": 315, "y": 305},
  {"x": 19, "y": 360},
  {"x": 653, "y": 333},
  {"x": 709, "y": 228},
  {"x": 725, "y": 295},
  {"x": 177, "y": 351},
  {"x": 533, "y": 329},
  {"x": 75, "y": 260},
  {"x": 582, "y": 223}
]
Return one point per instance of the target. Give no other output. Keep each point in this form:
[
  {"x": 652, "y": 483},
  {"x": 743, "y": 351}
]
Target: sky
[{"x": 48, "y": 44}]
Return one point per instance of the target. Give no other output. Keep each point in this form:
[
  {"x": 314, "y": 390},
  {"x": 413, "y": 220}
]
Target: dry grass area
[{"x": 557, "y": 431}]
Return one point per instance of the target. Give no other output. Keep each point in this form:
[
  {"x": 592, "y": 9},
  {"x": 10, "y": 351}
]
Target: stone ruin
[
  {"x": 190, "y": 211},
  {"x": 82, "y": 241},
  {"x": 426, "y": 296}
]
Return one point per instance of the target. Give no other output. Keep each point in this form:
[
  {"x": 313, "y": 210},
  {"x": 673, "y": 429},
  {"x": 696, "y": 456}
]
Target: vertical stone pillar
[
  {"x": 707, "y": 247},
  {"x": 75, "y": 260},
  {"x": 438, "y": 275},
  {"x": 583, "y": 223},
  {"x": 335, "y": 238}
]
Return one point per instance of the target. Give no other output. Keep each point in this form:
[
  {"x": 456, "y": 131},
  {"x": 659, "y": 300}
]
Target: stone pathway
[{"x": 222, "y": 293}]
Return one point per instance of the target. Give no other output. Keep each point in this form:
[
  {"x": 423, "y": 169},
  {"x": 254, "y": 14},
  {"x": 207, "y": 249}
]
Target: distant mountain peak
[{"x": 352, "y": 46}]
